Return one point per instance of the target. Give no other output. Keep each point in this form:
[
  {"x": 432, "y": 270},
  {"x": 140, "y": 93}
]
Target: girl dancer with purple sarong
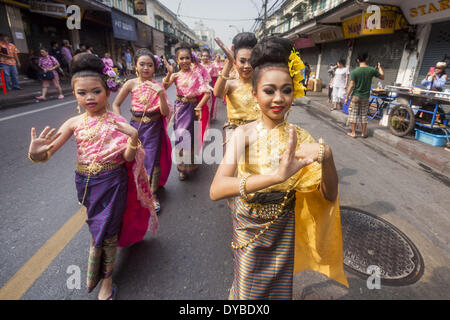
[
  {"x": 190, "y": 85},
  {"x": 150, "y": 116},
  {"x": 110, "y": 176}
]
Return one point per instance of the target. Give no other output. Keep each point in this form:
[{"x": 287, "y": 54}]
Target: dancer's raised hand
[
  {"x": 169, "y": 67},
  {"x": 227, "y": 51},
  {"x": 42, "y": 144},
  {"x": 289, "y": 165}
]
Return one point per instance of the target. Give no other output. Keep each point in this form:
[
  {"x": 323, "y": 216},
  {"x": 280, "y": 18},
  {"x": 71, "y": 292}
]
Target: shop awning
[{"x": 123, "y": 27}]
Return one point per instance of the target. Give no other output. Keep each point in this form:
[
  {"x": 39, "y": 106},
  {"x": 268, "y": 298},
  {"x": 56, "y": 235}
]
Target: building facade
[
  {"x": 412, "y": 35},
  {"x": 205, "y": 35},
  {"x": 106, "y": 25}
]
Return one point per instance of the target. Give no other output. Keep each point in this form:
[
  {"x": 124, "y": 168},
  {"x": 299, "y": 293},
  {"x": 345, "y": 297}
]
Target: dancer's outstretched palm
[{"x": 42, "y": 144}]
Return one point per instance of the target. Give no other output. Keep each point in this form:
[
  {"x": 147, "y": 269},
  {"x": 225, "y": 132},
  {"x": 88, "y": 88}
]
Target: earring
[
  {"x": 287, "y": 115},
  {"x": 137, "y": 72},
  {"x": 79, "y": 109},
  {"x": 107, "y": 106}
]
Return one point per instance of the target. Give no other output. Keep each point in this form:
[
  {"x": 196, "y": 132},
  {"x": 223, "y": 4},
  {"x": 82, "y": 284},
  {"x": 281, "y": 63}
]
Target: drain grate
[{"x": 369, "y": 240}]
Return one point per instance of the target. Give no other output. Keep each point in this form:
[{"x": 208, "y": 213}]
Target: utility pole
[{"x": 265, "y": 19}]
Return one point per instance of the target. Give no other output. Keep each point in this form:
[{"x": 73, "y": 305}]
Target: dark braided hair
[
  {"x": 270, "y": 52},
  {"x": 86, "y": 65}
]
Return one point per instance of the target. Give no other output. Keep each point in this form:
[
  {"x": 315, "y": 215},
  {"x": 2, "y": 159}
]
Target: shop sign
[
  {"x": 352, "y": 27},
  {"x": 390, "y": 20},
  {"x": 387, "y": 23},
  {"x": 426, "y": 11},
  {"x": 140, "y": 7},
  {"x": 304, "y": 43},
  {"x": 48, "y": 8},
  {"x": 328, "y": 35},
  {"x": 123, "y": 27}
]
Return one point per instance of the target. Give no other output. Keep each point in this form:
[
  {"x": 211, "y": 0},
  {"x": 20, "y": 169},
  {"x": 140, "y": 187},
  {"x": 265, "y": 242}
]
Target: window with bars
[
  {"x": 119, "y": 4},
  {"x": 130, "y": 7}
]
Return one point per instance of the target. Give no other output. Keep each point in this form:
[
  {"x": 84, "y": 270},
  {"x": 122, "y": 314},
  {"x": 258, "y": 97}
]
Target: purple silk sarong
[
  {"x": 106, "y": 200},
  {"x": 183, "y": 122},
  {"x": 150, "y": 135}
]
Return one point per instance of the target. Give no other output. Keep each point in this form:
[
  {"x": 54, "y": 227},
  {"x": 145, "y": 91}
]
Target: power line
[{"x": 217, "y": 19}]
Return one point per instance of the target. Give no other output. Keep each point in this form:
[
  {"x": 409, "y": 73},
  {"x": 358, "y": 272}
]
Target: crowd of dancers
[{"x": 281, "y": 185}]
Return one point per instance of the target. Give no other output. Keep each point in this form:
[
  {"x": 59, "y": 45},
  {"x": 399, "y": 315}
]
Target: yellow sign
[
  {"x": 390, "y": 20},
  {"x": 352, "y": 27},
  {"x": 387, "y": 23}
]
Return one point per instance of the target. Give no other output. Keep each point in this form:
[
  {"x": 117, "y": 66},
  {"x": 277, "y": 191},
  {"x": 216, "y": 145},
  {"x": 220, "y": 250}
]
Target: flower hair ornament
[
  {"x": 194, "y": 57},
  {"x": 112, "y": 80},
  {"x": 158, "y": 61},
  {"x": 296, "y": 67}
]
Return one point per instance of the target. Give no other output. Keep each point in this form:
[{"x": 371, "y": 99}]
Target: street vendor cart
[{"x": 417, "y": 108}]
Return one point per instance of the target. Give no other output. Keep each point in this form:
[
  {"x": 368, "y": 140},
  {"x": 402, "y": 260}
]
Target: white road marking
[{"x": 37, "y": 110}]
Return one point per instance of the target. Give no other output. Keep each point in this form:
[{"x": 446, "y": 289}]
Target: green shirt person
[{"x": 359, "y": 92}]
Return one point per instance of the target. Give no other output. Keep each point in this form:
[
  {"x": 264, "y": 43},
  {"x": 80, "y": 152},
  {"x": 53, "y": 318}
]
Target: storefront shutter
[
  {"x": 310, "y": 55},
  {"x": 438, "y": 49}
]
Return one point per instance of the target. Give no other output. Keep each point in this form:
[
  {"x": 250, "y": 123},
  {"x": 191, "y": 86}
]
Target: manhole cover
[{"x": 371, "y": 241}]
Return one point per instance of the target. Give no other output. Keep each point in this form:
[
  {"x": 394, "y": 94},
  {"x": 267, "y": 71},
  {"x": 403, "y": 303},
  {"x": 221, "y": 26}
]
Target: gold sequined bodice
[
  {"x": 242, "y": 105},
  {"x": 263, "y": 156}
]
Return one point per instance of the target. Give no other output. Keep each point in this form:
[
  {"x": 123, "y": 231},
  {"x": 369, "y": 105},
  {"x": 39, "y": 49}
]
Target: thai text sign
[{"x": 56, "y": 9}]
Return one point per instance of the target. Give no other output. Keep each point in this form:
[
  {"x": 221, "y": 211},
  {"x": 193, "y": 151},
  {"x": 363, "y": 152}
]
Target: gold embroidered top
[
  {"x": 318, "y": 236},
  {"x": 263, "y": 155},
  {"x": 242, "y": 105}
]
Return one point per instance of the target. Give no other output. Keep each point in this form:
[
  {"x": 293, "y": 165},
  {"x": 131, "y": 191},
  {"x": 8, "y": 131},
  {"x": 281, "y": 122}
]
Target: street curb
[
  {"x": 402, "y": 144},
  {"x": 30, "y": 97}
]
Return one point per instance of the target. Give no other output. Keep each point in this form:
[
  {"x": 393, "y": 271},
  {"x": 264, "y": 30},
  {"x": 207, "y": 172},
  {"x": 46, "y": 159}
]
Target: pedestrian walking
[
  {"x": 330, "y": 84},
  {"x": 55, "y": 52},
  {"x": 189, "y": 86},
  {"x": 287, "y": 187},
  {"x": 49, "y": 65},
  {"x": 340, "y": 83},
  {"x": 66, "y": 51},
  {"x": 110, "y": 178},
  {"x": 82, "y": 48},
  {"x": 128, "y": 60},
  {"x": 108, "y": 61},
  {"x": 9, "y": 61},
  {"x": 359, "y": 92},
  {"x": 150, "y": 115},
  {"x": 213, "y": 72}
]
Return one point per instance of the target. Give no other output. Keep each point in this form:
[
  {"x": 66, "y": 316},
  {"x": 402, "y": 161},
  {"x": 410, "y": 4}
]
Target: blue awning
[{"x": 123, "y": 27}]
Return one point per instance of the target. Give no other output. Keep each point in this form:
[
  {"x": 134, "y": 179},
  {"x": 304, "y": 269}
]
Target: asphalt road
[{"x": 190, "y": 258}]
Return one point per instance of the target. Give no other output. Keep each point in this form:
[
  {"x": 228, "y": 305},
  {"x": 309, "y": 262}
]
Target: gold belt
[
  {"x": 184, "y": 99},
  {"x": 268, "y": 211},
  {"x": 146, "y": 119},
  {"x": 96, "y": 168}
]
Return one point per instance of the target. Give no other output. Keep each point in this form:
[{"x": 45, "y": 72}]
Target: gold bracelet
[
  {"x": 242, "y": 184},
  {"x": 47, "y": 156},
  {"x": 321, "y": 151},
  {"x": 139, "y": 145},
  {"x": 225, "y": 77}
]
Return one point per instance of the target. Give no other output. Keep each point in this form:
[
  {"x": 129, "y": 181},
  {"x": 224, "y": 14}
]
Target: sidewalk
[
  {"x": 30, "y": 90},
  {"x": 436, "y": 157}
]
